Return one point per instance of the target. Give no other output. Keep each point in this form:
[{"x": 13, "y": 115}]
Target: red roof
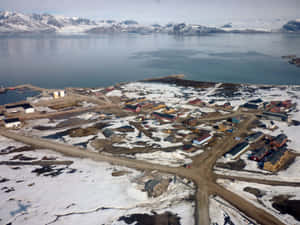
[
  {"x": 275, "y": 109},
  {"x": 204, "y": 136},
  {"x": 195, "y": 101}
]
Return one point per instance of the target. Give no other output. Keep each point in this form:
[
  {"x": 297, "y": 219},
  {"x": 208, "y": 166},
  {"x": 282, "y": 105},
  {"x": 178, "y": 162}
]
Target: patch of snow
[
  {"x": 269, "y": 192},
  {"x": 117, "y": 93},
  {"x": 172, "y": 159}
]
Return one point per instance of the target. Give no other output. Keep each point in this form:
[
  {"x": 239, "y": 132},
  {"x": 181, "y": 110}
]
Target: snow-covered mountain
[
  {"x": 14, "y": 23},
  {"x": 11, "y": 22}
]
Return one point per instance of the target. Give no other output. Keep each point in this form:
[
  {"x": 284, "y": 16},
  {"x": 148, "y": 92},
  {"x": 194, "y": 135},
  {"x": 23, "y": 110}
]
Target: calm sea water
[
  {"x": 16, "y": 95},
  {"x": 93, "y": 61}
]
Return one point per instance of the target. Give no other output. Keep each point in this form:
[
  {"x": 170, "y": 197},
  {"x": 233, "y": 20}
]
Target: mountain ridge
[{"x": 19, "y": 23}]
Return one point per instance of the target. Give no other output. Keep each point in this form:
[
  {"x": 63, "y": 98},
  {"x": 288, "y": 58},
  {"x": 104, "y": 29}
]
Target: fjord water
[{"x": 102, "y": 60}]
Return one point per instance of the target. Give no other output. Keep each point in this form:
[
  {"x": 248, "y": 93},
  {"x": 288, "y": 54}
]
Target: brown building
[{"x": 276, "y": 160}]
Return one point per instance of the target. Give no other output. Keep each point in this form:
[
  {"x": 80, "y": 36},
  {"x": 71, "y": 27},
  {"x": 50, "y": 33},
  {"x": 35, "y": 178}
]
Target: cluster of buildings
[
  {"x": 184, "y": 129},
  {"x": 270, "y": 152},
  {"x": 274, "y": 110},
  {"x": 9, "y": 112}
]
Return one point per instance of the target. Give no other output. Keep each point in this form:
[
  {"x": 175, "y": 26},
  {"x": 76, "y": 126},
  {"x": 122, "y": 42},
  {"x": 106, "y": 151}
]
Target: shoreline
[{"x": 177, "y": 79}]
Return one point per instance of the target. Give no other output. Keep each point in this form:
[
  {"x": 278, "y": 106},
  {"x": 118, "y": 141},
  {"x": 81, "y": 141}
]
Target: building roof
[
  {"x": 164, "y": 115},
  {"x": 237, "y": 148},
  {"x": 132, "y": 107},
  {"x": 203, "y": 136},
  {"x": 250, "y": 106},
  {"x": 280, "y": 138},
  {"x": 275, "y": 156},
  {"x": 279, "y": 115},
  {"x": 254, "y": 136},
  {"x": 258, "y": 100},
  {"x": 25, "y": 106},
  {"x": 195, "y": 101},
  {"x": 260, "y": 152},
  {"x": 12, "y": 120}
]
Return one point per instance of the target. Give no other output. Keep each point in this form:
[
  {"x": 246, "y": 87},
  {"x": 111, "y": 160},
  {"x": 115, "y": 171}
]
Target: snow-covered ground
[
  {"x": 173, "y": 159},
  {"x": 291, "y": 174},
  {"x": 268, "y": 193},
  {"x": 221, "y": 212},
  {"x": 88, "y": 195}
]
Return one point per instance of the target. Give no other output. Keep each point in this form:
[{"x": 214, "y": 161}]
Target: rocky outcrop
[{"x": 292, "y": 26}]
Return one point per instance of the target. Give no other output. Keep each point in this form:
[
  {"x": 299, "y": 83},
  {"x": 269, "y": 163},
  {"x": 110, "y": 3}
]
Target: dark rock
[{"x": 292, "y": 26}]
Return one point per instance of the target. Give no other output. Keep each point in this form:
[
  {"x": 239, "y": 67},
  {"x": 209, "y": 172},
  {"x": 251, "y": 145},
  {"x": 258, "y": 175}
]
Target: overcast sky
[{"x": 163, "y": 11}]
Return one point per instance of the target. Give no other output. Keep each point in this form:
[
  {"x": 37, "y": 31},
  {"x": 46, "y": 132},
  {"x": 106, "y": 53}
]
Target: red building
[
  {"x": 133, "y": 108},
  {"x": 279, "y": 141},
  {"x": 196, "y": 101}
]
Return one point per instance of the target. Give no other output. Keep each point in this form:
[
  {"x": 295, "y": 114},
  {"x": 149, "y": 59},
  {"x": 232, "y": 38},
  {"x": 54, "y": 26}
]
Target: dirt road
[{"x": 260, "y": 181}]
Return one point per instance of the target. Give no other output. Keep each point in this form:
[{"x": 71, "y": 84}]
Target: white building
[
  {"x": 56, "y": 94},
  {"x": 62, "y": 93},
  {"x": 237, "y": 150},
  {"x": 27, "y": 108},
  {"x": 12, "y": 123},
  {"x": 16, "y": 109},
  {"x": 59, "y": 94}
]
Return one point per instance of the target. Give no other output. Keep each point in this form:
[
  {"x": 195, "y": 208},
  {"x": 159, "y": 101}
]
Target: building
[
  {"x": 62, "y": 93},
  {"x": 159, "y": 106},
  {"x": 275, "y": 116},
  {"x": 190, "y": 122},
  {"x": 259, "y": 154},
  {"x": 223, "y": 127},
  {"x": 233, "y": 120},
  {"x": 275, "y": 109},
  {"x": 133, "y": 108},
  {"x": 2, "y": 116},
  {"x": 12, "y": 123},
  {"x": 59, "y": 94},
  {"x": 196, "y": 101},
  {"x": 164, "y": 116},
  {"x": 279, "y": 106},
  {"x": 188, "y": 148},
  {"x": 125, "y": 129},
  {"x": 275, "y": 160},
  {"x": 237, "y": 150},
  {"x": 169, "y": 110},
  {"x": 26, "y": 107},
  {"x": 55, "y": 94},
  {"x": 155, "y": 187},
  {"x": 279, "y": 141},
  {"x": 287, "y": 104},
  {"x": 250, "y": 106},
  {"x": 254, "y": 137},
  {"x": 14, "y": 109},
  {"x": 256, "y": 101},
  {"x": 202, "y": 139}
]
